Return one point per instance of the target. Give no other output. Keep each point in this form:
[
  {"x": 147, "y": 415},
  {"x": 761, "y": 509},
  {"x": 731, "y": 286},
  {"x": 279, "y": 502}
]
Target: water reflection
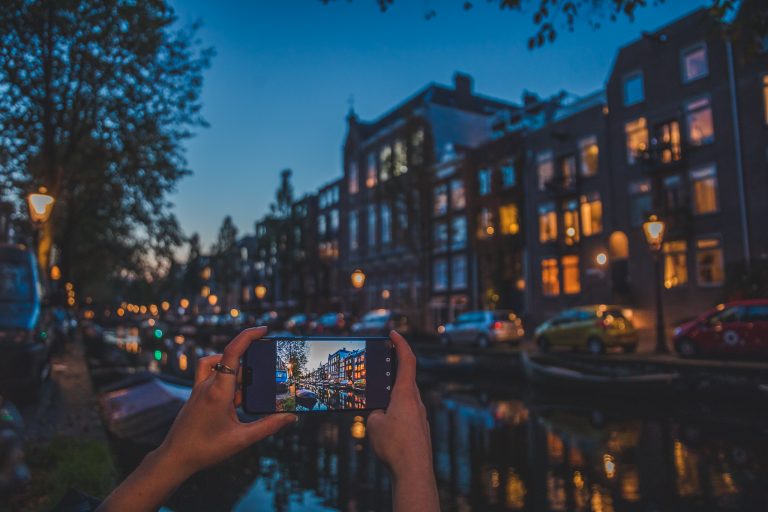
[{"x": 508, "y": 453}]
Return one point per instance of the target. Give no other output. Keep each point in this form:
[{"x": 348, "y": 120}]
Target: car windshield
[{"x": 15, "y": 282}]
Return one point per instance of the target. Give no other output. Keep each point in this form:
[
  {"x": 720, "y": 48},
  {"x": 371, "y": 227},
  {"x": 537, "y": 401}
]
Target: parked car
[
  {"x": 482, "y": 328},
  {"x": 14, "y": 472},
  {"x": 591, "y": 328},
  {"x": 298, "y": 324},
  {"x": 329, "y": 324},
  {"x": 380, "y": 322},
  {"x": 736, "y": 328},
  {"x": 25, "y": 323}
]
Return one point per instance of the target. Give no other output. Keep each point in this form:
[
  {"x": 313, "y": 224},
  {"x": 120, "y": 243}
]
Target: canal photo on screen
[{"x": 320, "y": 375}]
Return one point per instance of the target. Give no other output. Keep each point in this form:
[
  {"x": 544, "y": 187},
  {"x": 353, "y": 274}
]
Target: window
[
  {"x": 637, "y": 139},
  {"x": 568, "y": 168},
  {"x": 545, "y": 169},
  {"x": 417, "y": 147},
  {"x": 354, "y": 184},
  {"x": 668, "y": 140},
  {"x": 386, "y": 224},
  {"x": 321, "y": 225},
  {"x": 547, "y": 223},
  {"x": 485, "y": 224},
  {"x": 641, "y": 202},
  {"x": 672, "y": 189},
  {"x": 757, "y": 313},
  {"x": 571, "y": 222},
  {"x": 401, "y": 211},
  {"x": 591, "y": 214},
  {"x": 401, "y": 158},
  {"x": 709, "y": 261},
  {"x": 371, "y": 178},
  {"x": 334, "y": 216},
  {"x": 459, "y": 232},
  {"x": 440, "y": 236},
  {"x": 589, "y": 152},
  {"x": 695, "y": 63},
  {"x": 441, "y": 200},
  {"x": 675, "y": 263},
  {"x": 634, "y": 90},
  {"x": 385, "y": 163},
  {"x": 509, "y": 219},
  {"x": 353, "y": 242},
  {"x": 484, "y": 181},
  {"x": 459, "y": 272},
  {"x": 765, "y": 98},
  {"x": 508, "y": 178},
  {"x": 371, "y": 225},
  {"x": 571, "y": 277},
  {"x": 550, "y": 279},
  {"x": 458, "y": 196},
  {"x": 698, "y": 116},
  {"x": 439, "y": 275},
  {"x": 704, "y": 190}
]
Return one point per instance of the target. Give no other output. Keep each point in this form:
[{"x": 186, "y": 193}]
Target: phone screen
[{"x": 306, "y": 374}]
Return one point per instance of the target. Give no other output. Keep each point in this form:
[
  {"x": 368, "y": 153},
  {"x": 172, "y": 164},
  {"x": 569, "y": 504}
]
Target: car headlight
[{"x": 678, "y": 331}]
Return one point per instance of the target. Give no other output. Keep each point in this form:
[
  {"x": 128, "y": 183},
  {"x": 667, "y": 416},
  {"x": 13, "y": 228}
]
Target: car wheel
[
  {"x": 595, "y": 346},
  {"x": 686, "y": 348},
  {"x": 543, "y": 344},
  {"x": 482, "y": 341}
]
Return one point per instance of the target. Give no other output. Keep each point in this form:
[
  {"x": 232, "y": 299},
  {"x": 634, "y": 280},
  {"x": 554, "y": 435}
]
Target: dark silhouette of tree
[
  {"x": 226, "y": 257},
  {"x": 281, "y": 208},
  {"x": 192, "y": 281}
]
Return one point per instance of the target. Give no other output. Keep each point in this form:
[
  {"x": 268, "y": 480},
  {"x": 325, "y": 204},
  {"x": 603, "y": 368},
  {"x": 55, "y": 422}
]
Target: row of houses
[
  {"x": 453, "y": 200},
  {"x": 342, "y": 365}
]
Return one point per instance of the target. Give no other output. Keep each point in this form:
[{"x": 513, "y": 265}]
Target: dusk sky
[
  {"x": 320, "y": 350},
  {"x": 279, "y": 88}
]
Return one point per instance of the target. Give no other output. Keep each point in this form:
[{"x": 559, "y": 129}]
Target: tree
[
  {"x": 226, "y": 256},
  {"x": 96, "y": 98},
  {"x": 281, "y": 208},
  {"x": 296, "y": 353},
  {"x": 191, "y": 281}
]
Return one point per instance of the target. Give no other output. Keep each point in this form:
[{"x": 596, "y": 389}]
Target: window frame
[
  {"x": 692, "y": 182},
  {"x": 554, "y": 270},
  {"x": 583, "y": 143},
  {"x": 633, "y": 159},
  {"x": 687, "y": 111},
  {"x": 720, "y": 247},
  {"x": 684, "y": 52},
  {"x": 542, "y": 157},
  {"x": 670, "y": 254},
  {"x": 764, "y": 89},
  {"x": 625, "y": 80}
]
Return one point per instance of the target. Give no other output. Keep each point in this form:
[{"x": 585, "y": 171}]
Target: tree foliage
[
  {"x": 226, "y": 256},
  {"x": 96, "y": 98}
]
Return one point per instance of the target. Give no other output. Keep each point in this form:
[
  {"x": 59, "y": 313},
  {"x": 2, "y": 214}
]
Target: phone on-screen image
[{"x": 316, "y": 374}]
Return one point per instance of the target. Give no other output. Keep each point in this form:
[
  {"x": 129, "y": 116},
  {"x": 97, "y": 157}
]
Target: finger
[
  {"x": 264, "y": 427},
  {"x": 374, "y": 418},
  {"x": 406, "y": 361},
  {"x": 204, "y": 367},
  {"x": 238, "y": 398},
  {"x": 236, "y": 348}
]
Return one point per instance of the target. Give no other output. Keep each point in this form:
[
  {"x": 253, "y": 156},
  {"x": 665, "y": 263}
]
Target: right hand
[{"x": 400, "y": 435}]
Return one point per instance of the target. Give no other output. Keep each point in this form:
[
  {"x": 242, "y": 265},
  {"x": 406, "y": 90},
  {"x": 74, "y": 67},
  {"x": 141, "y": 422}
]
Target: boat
[
  {"x": 306, "y": 398},
  {"x": 599, "y": 377}
]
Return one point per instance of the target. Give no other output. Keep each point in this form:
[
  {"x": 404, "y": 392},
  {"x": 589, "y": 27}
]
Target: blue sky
[{"x": 279, "y": 88}]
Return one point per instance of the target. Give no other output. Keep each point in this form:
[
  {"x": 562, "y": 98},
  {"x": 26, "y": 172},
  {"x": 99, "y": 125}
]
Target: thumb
[
  {"x": 264, "y": 427},
  {"x": 374, "y": 419}
]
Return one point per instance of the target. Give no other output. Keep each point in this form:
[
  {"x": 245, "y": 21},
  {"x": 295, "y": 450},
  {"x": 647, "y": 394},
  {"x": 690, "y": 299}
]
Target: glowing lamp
[
  {"x": 40, "y": 205},
  {"x": 653, "y": 229}
]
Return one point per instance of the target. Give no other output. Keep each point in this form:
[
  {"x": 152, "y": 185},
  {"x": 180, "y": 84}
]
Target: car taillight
[{"x": 497, "y": 326}]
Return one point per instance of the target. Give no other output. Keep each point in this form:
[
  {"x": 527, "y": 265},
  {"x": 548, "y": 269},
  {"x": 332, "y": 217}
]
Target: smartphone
[{"x": 309, "y": 374}]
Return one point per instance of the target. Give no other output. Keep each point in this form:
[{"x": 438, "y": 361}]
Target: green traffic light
[{"x": 158, "y": 355}]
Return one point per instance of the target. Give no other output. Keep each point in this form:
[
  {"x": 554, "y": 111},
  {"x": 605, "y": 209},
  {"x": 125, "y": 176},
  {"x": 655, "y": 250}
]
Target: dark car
[
  {"x": 298, "y": 323},
  {"x": 25, "y": 327},
  {"x": 380, "y": 322},
  {"x": 737, "y": 328},
  {"x": 329, "y": 324}
]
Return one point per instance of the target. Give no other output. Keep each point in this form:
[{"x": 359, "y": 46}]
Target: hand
[
  {"x": 207, "y": 429},
  {"x": 400, "y": 435}
]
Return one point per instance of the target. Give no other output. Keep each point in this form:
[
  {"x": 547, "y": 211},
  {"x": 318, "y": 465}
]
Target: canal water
[{"x": 507, "y": 449}]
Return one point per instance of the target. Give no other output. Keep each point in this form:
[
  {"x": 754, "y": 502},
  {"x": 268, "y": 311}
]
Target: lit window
[
  {"x": 401, "y": 158},
  {"x": 440, "y": 275},
  {"x": 695, "y": 63},
  {"x": 334, "y": 216},
  {"x": 668, "y": 139},
  {"x": 704, "y": 188},
  {"x": 568, "y": 168},
  {"x": 441, "y": 199},
  {"x": 591, "y": 214},
  {"x": 637, "y": 139},
  {"x": 634, "y": 91},
  {"x": 417, "y": 147},
  {"x": 459, "y": 272},
  {"x": 458, "y": 196},
  {"x": 485, "y": 227},
  {"x": 353, "y": 242},
  {"x": 371, "y": 179},
  {"x": 550, "y": 279},
  {"x": 440, "y": 236},
  {"x": 640, "y": 201},
  {"x": 458, "y": 232},
  {"x": 765, "y": 96},
  {"x": 509, "y": 219},
  {"x": 321, "y": 225},
  {"x": 385, "y": 163},
  {"x": 709, "y": 261},
  {"x": 484, "y": 181},
  {"x": 571, "y": 222},
  {"x": 547, "y": 223},
  {"x": 675, "y": 263},
  {"x": 589, "y": 152},
  {"x": 371, "y": 225},
  {"x": 545, "y": 169},
  {"x": 672, "y": 192},
  {"x": 508, "y": 178},
  {"x": 386, "y": 224},
  {"x": 354, "y": 184},
  {"x": 571, "y": 277},
  {"x": 698, "y": 115}
]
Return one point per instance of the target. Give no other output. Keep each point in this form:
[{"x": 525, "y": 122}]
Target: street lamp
[
  {"x": 40, "y": 206},
  {"x": 260, "y": 291},
  {"x": 358, "y": 278},
  {"x": 653, "y": 229}
]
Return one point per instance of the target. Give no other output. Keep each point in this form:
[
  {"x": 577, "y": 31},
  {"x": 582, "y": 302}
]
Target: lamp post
[
  {"x": 358, "y": 280},
  {"x": 40, "y": 206},
  {"x": 653, "y": 229}
]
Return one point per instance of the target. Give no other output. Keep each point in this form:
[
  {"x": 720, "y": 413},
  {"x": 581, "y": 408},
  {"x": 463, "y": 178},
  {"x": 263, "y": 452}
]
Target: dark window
[{"x": 757, "y": 313}]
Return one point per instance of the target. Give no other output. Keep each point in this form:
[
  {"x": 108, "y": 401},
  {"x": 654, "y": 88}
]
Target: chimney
[{"x": 462, "y": 83}]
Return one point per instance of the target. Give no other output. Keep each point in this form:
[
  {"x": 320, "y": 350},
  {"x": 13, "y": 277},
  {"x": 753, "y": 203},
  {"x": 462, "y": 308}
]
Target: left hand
[{"x": 207, "y": 429}]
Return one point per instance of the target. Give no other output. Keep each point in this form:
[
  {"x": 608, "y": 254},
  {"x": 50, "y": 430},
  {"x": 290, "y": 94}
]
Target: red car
[{"x": 736, "y": 328}]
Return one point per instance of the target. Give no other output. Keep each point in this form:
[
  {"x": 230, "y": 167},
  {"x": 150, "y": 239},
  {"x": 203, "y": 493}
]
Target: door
[
  {"x": 725, "y": 331},
  {"x": 581, "y": 327}
]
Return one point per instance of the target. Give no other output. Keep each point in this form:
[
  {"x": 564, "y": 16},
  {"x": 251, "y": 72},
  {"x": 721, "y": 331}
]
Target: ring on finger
[{"x": 222, "y": 368}]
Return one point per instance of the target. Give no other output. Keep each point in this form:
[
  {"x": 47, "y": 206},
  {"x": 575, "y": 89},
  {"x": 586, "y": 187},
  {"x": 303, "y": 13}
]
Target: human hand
[{"x": 207, "y": 429}]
